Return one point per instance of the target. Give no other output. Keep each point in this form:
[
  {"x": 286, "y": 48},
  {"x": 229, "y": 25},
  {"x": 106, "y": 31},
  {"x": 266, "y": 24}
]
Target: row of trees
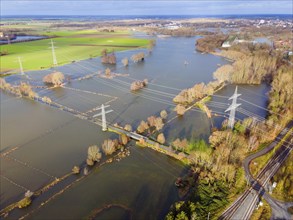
[
  {"x": 198, "y": 91},
  {"x": 109, "y": 146},
  {"x": 111, "y": 58},
  {"x": 254, "y": 63},
  {"x": 153, "y": 123},
  {"x": 24, "y": 89},
  {"x": 179, "y": 32},
  {"x": 281, "y": 95}
]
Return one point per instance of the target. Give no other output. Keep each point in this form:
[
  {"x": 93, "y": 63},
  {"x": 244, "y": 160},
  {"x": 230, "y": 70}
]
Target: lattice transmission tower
[
  {"x": 103, "y": 113},
  {"x": 232, "y": 108}
]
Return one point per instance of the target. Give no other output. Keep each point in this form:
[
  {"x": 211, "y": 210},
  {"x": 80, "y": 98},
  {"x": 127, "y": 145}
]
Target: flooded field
[{"x": 44, "y": 143}]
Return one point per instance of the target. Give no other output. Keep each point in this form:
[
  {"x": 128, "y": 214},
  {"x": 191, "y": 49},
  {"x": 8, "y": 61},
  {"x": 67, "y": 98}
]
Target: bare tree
[
  {"x": 180, "y": 109},
  {"x": 55, "y": 78},
  {"x": 128, "y": 127},
  {"x": 124, "y": 139},
  {"x": 143, "y": 126},
  {"x": 47, "y": 100},
  {"x": 108, "y": 58},
  {"x": 137, "y": 57},
  {"x": 180, "y": 144},
  {"x": 161, "y": 138},
  {"x": 136, "y": 85},
  {"x": 110, "y": 146},
  {"x": 163, "y": 114},
  {"x": 76, "y": 169},
  {"x": 223, "y": 73},
  {"x": 26, "y": 90},
  {"x": 94, "y": 154},
  {"x": 108, "y": 72},
  {"x": 159, "y": 124},
  {"x": 125, "y": 61}
]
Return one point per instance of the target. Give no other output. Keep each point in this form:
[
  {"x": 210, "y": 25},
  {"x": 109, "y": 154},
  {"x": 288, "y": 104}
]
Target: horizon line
[{"x": 145, "y": 14}]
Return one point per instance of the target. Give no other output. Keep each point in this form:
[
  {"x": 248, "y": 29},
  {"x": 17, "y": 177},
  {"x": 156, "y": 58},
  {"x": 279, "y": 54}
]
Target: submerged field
[
  {"x": 70, "y": 46},
  {"x": 140, "y": 186}
]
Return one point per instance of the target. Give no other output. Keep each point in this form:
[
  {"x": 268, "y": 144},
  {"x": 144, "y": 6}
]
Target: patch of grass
[
  {"x": 24, "y": 202},
  {"x": 37, "y": 54},
  {"x": 198, "y": 145}
]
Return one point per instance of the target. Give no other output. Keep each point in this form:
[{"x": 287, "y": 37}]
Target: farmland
[{"x": 70, "y": 46}]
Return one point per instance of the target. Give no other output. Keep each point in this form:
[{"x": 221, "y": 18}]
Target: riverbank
[{"x": 24, "y": 38}]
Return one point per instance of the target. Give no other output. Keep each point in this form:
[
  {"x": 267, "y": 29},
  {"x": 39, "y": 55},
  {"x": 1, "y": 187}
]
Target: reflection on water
[
  {"x": 53, "y": 141},
  {"x": 143, "y": 182}
]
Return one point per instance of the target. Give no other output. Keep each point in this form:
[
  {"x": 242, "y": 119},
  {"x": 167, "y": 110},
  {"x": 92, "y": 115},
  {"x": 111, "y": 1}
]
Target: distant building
[
  {"x": 6, "y": 36},
  {"x": 226, "y": 44},
  {"x": 230, "y": 41},
  {"x": 172, "y": 27}
]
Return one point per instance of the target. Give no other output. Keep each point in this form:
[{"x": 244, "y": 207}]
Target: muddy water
[
  {"x": 51, "y": 142},
  {"x": 143, "y": 182}
]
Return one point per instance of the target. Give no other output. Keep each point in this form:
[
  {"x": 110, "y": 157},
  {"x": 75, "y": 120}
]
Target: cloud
[{"x": 143, "y": 7}]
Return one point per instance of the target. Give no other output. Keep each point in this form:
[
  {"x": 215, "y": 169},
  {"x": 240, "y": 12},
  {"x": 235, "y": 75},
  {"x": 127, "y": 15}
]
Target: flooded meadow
[{"x": 40, "y": 143}]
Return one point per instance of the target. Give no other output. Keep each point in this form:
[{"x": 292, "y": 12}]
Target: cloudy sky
[{"x": 144, "y": 7}]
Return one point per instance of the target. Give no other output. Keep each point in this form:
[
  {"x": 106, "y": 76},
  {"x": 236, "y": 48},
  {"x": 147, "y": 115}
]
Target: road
[
  {"x": 279, "y": 209},
  {"x": 138, "y": 137},
  {"x": 244, "y": 206}
]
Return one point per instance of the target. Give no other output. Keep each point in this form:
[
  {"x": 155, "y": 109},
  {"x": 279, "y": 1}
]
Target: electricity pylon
[
  {"x": 103, "y": 113},
  {"x": 55, "y": 63},
  {"x": 20, "y": 66},
  {"x": 232, "y": 108}
]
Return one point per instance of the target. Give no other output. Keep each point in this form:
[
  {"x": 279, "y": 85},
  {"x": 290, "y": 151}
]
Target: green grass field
[{"x": 71, "y": 45}]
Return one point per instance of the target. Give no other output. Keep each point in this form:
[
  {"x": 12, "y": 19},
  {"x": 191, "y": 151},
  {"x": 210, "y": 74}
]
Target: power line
[
  {"x": 263, "y": 108},
  {"x": 153, "y": 98},
  {"x": 170, "y": 94},
  {"x": 242, "y": 88}
]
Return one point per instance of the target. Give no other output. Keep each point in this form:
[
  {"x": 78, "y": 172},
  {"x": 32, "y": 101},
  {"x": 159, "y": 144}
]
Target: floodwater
[
  {"x": 46, "y": 142},
  {"x": 23, "y": 38},
  {"x": 264, "y": 40}
]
